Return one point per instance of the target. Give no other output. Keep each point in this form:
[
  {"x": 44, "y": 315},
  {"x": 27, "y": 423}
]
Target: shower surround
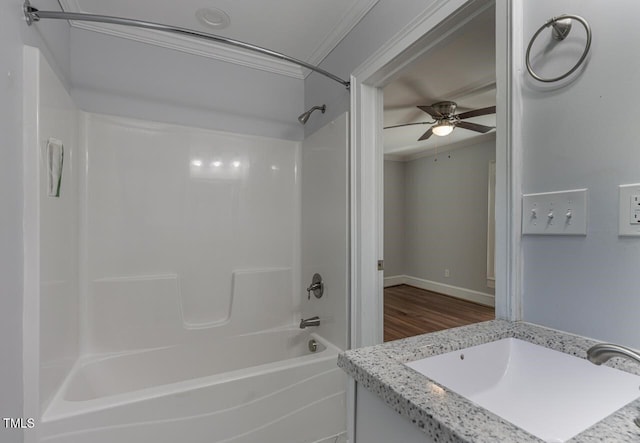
[
  {"x": 183, "y": 219},
  {"x": 169, "y": 284}
]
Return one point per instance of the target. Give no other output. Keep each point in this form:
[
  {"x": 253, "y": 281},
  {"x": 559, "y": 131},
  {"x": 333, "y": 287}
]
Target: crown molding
[
  {"x": 213, "y": 50},
  {"x": 349, "y": 20},
  {"x": 226, "y": 53}
]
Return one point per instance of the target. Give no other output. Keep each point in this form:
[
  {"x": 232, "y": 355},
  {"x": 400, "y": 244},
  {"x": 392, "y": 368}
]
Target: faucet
[
  {"x": 314, "y": 287},
  {"x": 317, "y": 287},
  {"x": 313, "y": 321},
  {"x": 602, "y": 352}
]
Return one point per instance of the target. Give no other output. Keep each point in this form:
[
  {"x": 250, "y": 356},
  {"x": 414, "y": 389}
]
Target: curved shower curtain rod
[{"x": 33, "y": 15}]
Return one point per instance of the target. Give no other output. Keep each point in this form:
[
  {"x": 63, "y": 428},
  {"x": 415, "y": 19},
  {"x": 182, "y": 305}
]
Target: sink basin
[{"x": 549, "y": 394}]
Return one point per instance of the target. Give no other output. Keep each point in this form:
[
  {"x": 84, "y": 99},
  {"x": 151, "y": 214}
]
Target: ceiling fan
[{"x": 446, "y": 119}]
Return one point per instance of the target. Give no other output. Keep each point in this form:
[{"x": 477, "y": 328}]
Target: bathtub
[{"x": 265, "y": 387}]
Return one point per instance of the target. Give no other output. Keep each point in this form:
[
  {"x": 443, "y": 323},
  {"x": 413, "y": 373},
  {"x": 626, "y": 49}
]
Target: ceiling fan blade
[
  {"x": 408, "y": 124},
  {"x": 474, "y": 127},
  {"x": 477, "y": 112},
  {"x": 426, "y": 135},
  {"x": 432, "y": 112}
]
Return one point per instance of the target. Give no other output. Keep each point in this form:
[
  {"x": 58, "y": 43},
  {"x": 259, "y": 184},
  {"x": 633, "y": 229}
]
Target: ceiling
[
  {"x": 461, "y": 69},
  {"x": 304, "y": 29}
]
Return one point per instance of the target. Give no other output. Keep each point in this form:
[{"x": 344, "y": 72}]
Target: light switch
[
  {"x": 629, "y": 210},
  {"x": 555, "y": 213}
]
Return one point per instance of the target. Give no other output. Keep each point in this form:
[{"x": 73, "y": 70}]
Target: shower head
[{"x": 305, "y": 116}]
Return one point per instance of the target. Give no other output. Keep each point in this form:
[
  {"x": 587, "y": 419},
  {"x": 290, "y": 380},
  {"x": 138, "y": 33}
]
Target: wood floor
[{"x": 410, "y": 311}]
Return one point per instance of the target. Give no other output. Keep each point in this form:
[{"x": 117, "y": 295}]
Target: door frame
[{"x": 439, "y": 20}]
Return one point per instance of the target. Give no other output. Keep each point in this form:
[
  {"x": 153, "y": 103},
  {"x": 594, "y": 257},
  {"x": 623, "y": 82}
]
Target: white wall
[
  {"x": 51, "y": 332},
  {"x": 122, "y": 77},
  {"x": 175, "y": 244},
  {"x": 584, "y": 285},
  {"x": 57, "y": 118},
  {"x": 13, "y": 34},
  {"x": 324, "y": 227},
  {"x": 394, "y": 218},
  {"x": 381, "y": 23}
]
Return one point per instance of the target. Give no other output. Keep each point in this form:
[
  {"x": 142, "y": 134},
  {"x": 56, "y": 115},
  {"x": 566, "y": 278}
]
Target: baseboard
[
  {"x": 442, "y": 288},
  {"x": 394, "y": 280}
]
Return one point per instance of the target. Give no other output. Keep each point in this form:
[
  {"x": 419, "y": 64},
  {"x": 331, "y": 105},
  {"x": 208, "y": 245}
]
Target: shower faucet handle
[{"x": 317, "y": 286}]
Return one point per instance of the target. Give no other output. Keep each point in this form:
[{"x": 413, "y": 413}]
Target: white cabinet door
[{"x": 378, "y": 423}]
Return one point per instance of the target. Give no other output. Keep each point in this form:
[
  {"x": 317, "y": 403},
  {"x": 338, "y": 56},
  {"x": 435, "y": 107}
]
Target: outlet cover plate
[
  {"x": 555, "y": 213},
  {"x": 627, "y": 207}
]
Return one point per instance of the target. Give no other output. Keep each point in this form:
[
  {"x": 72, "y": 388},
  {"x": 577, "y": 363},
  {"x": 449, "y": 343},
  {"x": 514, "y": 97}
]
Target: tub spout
[
  {"x": 602, "y": 352},
  {"x": 313, "y": 321}
]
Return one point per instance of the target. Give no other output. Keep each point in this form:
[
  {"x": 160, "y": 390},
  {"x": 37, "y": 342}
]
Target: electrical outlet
[
  {"x": 634, "y": 210},
  {"x": 629, "y": 210},
  {"x": 447, "y": 273}
]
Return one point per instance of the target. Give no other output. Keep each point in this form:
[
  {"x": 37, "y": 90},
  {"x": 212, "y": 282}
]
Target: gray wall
[
  {"x": 586, "y": 285},
  {"x": 13, "y": 34},
  {"x": 394, "y": 218},
  {"x": 446, "y": 217},
  {"x": 583, "y": 285},
  {"x": 11, "y": 221},
  {"x": 435, "y": 215}
]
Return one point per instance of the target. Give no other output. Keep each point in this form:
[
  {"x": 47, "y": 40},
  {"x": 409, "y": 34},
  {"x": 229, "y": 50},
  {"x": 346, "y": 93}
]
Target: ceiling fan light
[{"x": 442, "y": 129}]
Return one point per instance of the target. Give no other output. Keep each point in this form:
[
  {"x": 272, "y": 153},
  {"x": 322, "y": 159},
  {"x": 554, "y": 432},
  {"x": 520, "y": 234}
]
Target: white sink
[{"x": 549, "y": 394}]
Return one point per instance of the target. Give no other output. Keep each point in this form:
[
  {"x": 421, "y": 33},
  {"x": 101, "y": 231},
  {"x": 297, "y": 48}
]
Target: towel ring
[{"x": 561, "y": 27}]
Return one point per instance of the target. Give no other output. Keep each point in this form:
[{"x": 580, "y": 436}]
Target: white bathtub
[{"x": 259, "y": 388}]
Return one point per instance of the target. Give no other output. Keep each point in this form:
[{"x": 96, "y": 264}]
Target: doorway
[
  {"x": 438, "y": 194},
  {"x": 367, "y": 156}
]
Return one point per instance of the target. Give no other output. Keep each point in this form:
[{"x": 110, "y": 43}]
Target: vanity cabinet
[
  {"x": 378, "y": 423},
  {"x": 396, "y": 396}
]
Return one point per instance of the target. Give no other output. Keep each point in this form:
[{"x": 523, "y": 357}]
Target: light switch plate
[
  {"x": 555, "y": 213},
  {"x": 629, "y": 210}
]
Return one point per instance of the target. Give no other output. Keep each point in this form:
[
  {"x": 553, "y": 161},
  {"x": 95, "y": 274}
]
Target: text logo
[{"x": 19, "y": 423}]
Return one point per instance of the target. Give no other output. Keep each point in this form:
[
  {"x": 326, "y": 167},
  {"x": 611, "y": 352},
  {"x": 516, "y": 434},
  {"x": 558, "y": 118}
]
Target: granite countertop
[{"x": 450, "y": 418}]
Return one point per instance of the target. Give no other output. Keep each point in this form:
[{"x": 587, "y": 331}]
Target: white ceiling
[
  {"x": 462, "y": 69},
  {"x": 304, "y": 29}
]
